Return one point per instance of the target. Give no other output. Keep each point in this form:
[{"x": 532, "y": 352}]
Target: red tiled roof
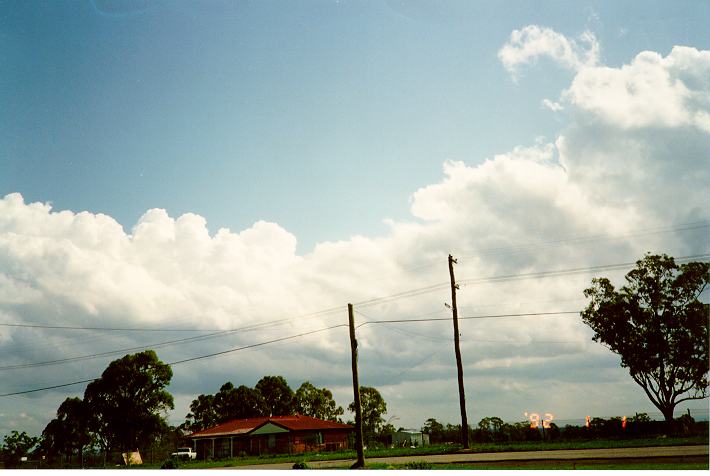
[
  {"x": 291, "y": 422},
  {"x": 233, "y": 427},
  {"x": 301, "y": 422}
]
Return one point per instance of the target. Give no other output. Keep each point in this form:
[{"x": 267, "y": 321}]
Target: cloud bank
[{"x": 629, "y": 168}]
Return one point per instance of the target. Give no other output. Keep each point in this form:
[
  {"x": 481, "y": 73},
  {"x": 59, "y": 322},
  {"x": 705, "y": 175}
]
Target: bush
[
  {"x": 170, "y": 464},
  {"x": 418, "y": 465},
  {"x": 301, "y": 465}
]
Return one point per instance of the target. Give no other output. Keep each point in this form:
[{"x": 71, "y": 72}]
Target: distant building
[
  {"x": 270, "y": 435},
  {"x": 410, "y": 438}
]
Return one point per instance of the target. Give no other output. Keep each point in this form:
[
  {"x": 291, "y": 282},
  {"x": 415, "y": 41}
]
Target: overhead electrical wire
[
  {"x": 162, "y": 344},
  {"x": 107, "y": 353},
  {"x": 121, "y": 329},
  {"x": 449, "y": 339},
  {"x": 51, "y": 387},
  {"x": 365, "y": 303},
  {"x": 510, "y": 277},
  {"x": 272, "y": 341},
  {"x": 372, "y": 301},
  {"x": 191, "y": 359},
  {"x": 511, "y": 249},
  {"x": 251, "y": 346},
  {"x": 489, "y": 316},
  {"x": 215, "y": 335},
  {"x": 158, "y": 329},
  {"x": 568, "y": 272}
]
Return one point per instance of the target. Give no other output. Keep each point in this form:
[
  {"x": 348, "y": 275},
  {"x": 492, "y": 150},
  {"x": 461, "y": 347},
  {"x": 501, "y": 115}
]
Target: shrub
[
  {"x": 170, "y": 464},
  {"x": 301, "y": 465},
  {"x": 418, "y": 465}
]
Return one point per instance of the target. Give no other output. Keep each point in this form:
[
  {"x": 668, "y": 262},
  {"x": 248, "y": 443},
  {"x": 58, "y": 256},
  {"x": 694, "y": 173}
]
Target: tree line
[
  {"x": 270, "y": 396},
  {"x": 495, "y": 430},
  {"x": 126, "y": 409},
  {"x": 273, "y": 396}
]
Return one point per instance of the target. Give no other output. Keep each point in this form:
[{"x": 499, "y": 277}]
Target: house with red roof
[{"x": 271, "y": 435}]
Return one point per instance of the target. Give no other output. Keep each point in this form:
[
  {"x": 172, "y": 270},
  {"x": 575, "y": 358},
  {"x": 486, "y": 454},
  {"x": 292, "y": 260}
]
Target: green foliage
[
  {"x": 69, "y": 432},
  {"x": 373, "y": 407},
  {"x": 316, "y": 402},
  {"x": 433, "y": 428},
  {"x": 271, "y": 396},
  {"x": 301, "y": 465},
  {"x": 241, "y": 402},
  {"x": 640, "y": 417},
  {"x": 276, "y": 394},
  {"x": 658, "y": 326},
  {"x": 170, "y": 464},
  {"x": 495, "y": 430},
  {"x": 15, "y": 446},
  {"x": 418, "y": 465},
  {"x": 386, "y": 431},
  {"x": 126, "y": 403},
  {"x": 202, "y": 414},
  {"x": 492, "y": 424}
]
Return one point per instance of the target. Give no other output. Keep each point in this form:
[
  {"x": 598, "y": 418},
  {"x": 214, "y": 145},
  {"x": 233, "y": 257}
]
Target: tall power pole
[
  {"x": 360, "y": 463},
  {"x": 457, "y": 350}
]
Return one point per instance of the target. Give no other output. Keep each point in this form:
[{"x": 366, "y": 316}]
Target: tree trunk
[{"x": 668, "y": 415}]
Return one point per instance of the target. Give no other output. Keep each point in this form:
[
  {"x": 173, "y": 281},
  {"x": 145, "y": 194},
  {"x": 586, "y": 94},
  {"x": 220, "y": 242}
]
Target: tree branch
[
  {"x": 644, "y": 386},
  {"x": 699, "y": 397}
]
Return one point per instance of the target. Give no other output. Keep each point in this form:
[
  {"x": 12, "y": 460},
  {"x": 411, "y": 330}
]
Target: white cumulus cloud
[
  {"x": 652, "y": 90},
  {"x": 532, "y": 42}
]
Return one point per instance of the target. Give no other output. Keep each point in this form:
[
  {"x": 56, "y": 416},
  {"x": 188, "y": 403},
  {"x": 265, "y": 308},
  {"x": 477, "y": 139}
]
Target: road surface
[{"x": 653, "y": 453}]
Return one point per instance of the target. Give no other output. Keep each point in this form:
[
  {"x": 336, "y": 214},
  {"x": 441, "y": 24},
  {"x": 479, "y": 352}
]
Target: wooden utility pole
[
  {"x": 457, "y": 350},
  {"x": 360, "y": 463}
]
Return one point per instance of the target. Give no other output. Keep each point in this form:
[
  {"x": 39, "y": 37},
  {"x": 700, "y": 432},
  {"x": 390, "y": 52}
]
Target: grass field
[
  {"x": 269, "y": 459},
  {"x": 442, "y": 449}
]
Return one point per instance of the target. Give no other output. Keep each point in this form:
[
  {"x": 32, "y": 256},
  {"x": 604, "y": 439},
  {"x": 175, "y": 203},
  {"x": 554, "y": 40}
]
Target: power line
[
  {"x": 425, "y": 359},
  {"x": 121, "y": 329},
  {"x": 251, "y": 346},
  {"x": 371, "y": 320},
  {"x": 366, "y": 303},
  {"x": 327, "y": 311},
  {"x": 402, "y": 294},
  {"x": 486, "y": 341},
  {"x": 160, "y": 344},
  {"x": 489, "y": 316},
  {"x": 510, "y": 277},
  {"x": 567, "y": 272},
  {"x": 177, "y": 362},
  {"x": 370, "y": 302},
  {"x": 49, "y": 388},
  {"x": 107, "y": 353},
  {"x": 422, "y": 336},
  {"x": 503, "y": 250},
  {"x": 148, "y": 329}
]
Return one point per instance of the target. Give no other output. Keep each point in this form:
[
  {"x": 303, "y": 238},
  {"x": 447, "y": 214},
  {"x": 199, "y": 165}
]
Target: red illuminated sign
[{"x": 535, "y": 419}]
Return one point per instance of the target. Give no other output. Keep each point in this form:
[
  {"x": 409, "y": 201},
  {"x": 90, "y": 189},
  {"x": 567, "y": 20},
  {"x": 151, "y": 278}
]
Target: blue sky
[
  {"x": 321, "y": 116},
  {"x": 349, "y": 147}
]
